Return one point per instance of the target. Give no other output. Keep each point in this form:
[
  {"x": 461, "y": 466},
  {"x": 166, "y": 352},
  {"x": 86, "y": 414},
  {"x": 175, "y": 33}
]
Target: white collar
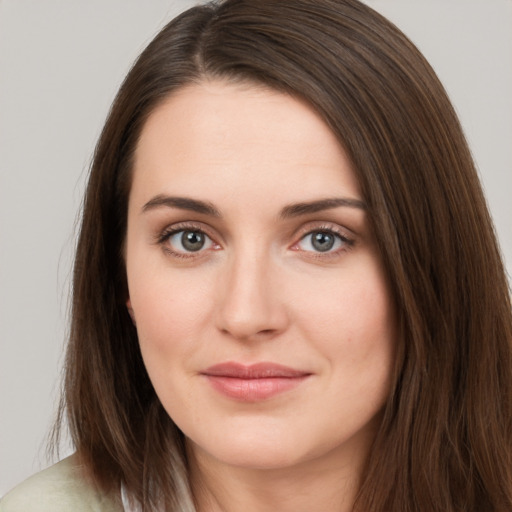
[{"x": 128, "y": 506}]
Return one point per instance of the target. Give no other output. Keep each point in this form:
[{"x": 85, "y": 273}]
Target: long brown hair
[{"x": 445, "y": 442}]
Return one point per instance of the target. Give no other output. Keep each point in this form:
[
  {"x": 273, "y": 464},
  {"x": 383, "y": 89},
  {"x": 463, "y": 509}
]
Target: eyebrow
[
  {"x": 183, "y": 203},
  {"x": 298, "y": 209},
  {"x": 289, "y": 211}
]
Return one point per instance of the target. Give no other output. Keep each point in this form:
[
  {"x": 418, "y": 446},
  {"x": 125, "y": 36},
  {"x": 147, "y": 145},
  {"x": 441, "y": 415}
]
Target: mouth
[{"x": 255, "y": 382}]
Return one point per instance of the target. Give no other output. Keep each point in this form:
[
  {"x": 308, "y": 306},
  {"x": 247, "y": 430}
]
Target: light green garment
[{"x": 60, "y": 488}]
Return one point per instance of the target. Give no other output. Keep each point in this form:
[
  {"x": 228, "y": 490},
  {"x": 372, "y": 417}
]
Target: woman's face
[{"x": 262, "y": 309}]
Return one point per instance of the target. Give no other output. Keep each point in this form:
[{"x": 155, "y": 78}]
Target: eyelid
[
  {"x": 312, "y": 227},
  {"x": 163, "y": 234},
  {"x": 162, "y": 237}
]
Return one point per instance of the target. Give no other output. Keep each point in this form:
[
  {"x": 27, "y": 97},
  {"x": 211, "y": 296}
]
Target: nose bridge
[{"x": 250, "y": 303}]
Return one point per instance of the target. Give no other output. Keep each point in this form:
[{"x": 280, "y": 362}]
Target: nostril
[{"x": 264, "y": 332}]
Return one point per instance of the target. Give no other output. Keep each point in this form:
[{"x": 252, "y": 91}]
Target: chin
[
  {"x": 275, "y": 450},
  {"x": 251, "y": 450}
]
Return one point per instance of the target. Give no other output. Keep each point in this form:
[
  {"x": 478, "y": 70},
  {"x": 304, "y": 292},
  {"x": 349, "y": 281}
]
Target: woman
[{"x": 287, "y": 291}]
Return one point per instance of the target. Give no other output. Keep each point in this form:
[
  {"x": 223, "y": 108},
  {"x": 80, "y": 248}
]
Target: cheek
[
  {"x": 171, "y": 309},
  {"x": 353, "y": 307},
  {"x": 351, "y": 321},
  {"x": 170, "y": 319}
]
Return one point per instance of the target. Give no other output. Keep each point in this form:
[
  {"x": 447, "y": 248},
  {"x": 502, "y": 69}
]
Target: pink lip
[{"x": 254, "y": 382}]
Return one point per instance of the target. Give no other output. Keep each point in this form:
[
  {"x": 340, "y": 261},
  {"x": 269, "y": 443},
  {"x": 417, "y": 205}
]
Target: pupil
[
  {"x": 192, "y": 241},
  {"x": 323, "y": 241}
]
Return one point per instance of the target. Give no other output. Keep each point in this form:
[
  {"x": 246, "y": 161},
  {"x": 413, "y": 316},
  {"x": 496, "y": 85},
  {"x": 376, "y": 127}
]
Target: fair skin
[{"x": 234, "y": 258}]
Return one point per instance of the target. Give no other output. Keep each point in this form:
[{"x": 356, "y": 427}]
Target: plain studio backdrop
[{"x": 61, "y": 62}]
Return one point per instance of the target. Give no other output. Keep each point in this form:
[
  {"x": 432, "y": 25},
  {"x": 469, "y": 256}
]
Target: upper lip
[{"x": 264, "y": 370}]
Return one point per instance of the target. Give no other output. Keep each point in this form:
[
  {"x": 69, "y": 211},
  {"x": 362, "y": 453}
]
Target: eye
[
  {"x": 187, "y": 241},
  {"x": 322, "y": 241}
]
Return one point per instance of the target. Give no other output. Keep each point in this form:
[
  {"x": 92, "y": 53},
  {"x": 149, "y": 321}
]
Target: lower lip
[{"x": 254, "y": 390}]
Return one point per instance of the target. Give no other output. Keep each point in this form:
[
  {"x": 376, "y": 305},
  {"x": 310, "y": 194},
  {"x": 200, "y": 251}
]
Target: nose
[{"x": 251, "y": 305}]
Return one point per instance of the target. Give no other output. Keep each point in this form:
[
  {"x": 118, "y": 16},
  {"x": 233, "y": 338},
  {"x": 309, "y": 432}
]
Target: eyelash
[
  {"x": 167, "y": 233},
  {"x": 330, "y": 229}
]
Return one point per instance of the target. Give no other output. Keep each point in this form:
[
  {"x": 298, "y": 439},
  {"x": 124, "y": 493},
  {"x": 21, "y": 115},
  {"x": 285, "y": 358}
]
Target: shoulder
[{"x": 60, "y": 488}]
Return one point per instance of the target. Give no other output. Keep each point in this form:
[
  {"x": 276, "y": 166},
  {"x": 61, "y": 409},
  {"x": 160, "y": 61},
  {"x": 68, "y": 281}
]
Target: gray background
[{"x": 61, "y": 62}]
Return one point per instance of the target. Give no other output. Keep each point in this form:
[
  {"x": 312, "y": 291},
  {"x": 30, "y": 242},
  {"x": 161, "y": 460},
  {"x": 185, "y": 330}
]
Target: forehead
[{"x": 217, "y": 136}]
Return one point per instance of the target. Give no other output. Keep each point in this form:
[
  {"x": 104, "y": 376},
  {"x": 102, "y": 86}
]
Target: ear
[{"x": 130, "y": 310}]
